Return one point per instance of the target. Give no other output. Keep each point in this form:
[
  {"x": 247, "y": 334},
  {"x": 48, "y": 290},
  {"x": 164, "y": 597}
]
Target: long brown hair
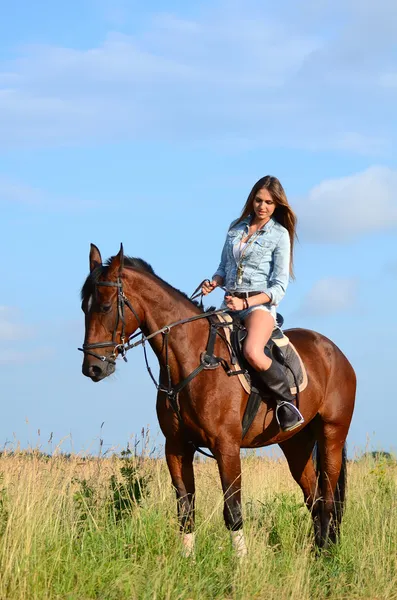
[{"x": 283, "y": 213}]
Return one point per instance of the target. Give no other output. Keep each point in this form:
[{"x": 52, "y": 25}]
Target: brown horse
[{"x": 125, "y": 295}]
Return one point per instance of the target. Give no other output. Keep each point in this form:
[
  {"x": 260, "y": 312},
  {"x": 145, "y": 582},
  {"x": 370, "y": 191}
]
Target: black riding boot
[{"x": 287, "y": 414}]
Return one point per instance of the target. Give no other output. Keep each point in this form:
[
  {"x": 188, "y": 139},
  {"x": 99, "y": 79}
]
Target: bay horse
[{"x": 124, "y": 296}]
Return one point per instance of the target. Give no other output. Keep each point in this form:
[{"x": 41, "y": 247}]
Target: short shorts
[{"x": 242, "y": 314}]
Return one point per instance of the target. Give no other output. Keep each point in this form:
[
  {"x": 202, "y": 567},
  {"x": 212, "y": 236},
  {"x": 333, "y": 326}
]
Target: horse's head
[{"x": 107, "y": 324}]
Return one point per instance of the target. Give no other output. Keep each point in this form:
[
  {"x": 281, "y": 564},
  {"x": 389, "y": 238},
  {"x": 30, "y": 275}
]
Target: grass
[{"x": 79, "y": 529}]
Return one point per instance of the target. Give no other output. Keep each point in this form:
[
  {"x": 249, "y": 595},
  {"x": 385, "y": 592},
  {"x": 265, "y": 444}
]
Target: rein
[
  {"x": 208, "y": 361},
  {"x": 123, "y": 347}
]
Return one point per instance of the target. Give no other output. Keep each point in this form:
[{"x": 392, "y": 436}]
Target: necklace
[{"x": 248, "y": 241}]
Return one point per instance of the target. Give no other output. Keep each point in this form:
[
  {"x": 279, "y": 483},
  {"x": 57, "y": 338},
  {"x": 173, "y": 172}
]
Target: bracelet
[{"x": 245, "y": 303}]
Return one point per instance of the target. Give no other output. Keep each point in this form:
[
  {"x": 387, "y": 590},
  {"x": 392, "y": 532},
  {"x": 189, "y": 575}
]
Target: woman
[{"x": 256, "y": 262}]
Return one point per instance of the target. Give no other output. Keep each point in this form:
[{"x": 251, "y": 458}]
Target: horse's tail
[{"x": 340, "y": 491}]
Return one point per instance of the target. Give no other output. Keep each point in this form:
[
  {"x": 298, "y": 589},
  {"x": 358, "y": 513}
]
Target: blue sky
[{"x": 149, "y": 126}]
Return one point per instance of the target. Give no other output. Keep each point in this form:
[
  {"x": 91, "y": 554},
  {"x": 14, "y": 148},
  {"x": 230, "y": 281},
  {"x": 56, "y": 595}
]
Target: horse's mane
[{"x": 137, "y": 264}]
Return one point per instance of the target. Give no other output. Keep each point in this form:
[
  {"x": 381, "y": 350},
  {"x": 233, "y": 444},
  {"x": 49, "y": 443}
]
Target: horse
[{"x": 199, "y": 408}]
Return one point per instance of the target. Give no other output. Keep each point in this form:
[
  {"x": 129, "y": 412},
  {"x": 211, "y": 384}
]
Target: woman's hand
[
  {"x": 209, "y": 286},
  {"x": 234, "y": 303}
]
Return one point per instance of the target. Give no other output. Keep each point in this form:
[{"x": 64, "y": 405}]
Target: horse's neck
[{"x": 163, "y": 306}]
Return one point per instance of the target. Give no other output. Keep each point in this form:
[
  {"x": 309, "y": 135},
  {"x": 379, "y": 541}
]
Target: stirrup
[{"x": 295, "y": 410}]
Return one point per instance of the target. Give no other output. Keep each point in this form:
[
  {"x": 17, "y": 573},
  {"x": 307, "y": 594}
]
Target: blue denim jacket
[{"x": 264, "y": 265}]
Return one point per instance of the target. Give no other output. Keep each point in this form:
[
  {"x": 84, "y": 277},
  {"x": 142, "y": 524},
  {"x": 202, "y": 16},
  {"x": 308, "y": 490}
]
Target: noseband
[{"x": 119, "y": 348}]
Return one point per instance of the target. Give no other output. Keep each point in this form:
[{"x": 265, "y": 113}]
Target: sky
[{"x": 148, "y": 124}]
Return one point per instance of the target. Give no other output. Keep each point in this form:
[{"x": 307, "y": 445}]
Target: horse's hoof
[
  {"x": 238, "y": 542},
  {"x": 188, "y": 542}
]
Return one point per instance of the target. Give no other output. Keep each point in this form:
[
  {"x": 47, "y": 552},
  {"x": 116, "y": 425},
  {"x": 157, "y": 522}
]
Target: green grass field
[{"x": 106, "y": 528}]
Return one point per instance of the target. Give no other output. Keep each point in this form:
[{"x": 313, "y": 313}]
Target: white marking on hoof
[
  {"x": 188, "y": 540},
  {"x": 238, "y": 542}
]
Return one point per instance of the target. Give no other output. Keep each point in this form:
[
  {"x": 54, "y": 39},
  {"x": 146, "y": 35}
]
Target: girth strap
[{"x": 173, "y": 391}]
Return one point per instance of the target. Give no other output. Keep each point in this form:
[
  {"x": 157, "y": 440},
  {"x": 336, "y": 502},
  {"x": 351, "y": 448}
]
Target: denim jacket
[{"x": 264, "y": 265}]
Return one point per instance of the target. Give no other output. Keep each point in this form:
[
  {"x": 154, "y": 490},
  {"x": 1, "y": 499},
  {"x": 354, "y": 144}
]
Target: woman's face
[{"x": 264, "y": 205}]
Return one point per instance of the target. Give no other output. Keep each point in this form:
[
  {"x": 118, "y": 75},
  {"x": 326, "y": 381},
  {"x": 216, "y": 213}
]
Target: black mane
[
  {"x": 130, "y": 263},
  {"x": 135, "y": 263}
]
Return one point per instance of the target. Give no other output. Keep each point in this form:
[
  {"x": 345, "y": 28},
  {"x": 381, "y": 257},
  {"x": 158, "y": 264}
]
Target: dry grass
[{"x": 106, "y": 528}]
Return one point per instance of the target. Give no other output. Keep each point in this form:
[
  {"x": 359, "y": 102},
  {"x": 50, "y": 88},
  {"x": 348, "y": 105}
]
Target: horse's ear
[
  {"x": 95, "y": 258},
  {"x": 117, "y": 264},
  {"x": 121, "y": 255}
]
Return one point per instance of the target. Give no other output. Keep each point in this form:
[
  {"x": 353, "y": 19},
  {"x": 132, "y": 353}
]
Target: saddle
[{"x": 278, "y": 348}]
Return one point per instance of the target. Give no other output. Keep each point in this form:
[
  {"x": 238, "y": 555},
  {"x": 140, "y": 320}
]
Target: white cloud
[
  {"x": 15, "y": 192},
  {"x": 12, "y": 356},
  {"x": 16, "y": 339},
  {"x": 166, "y": 80},
  {"x": 330, "y": 295},
  {"x": 359, "y": 144},
  {"x": 341, "y": 209},
  {"x": 388, "y": 79},
  {"x": 361, "y": 37},
  {"x": 11, "y": 329},
  {"x": 231, "y": 72}
]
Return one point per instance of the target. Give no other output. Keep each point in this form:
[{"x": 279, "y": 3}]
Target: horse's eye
[{"x": 105, "y": 308}]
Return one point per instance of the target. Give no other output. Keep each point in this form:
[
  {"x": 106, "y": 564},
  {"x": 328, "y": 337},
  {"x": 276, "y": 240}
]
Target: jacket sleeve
[
  {"x": 221, "y": 270},
  {"x": 279, "y": 276}
]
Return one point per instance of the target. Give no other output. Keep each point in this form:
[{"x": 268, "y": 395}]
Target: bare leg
[
  {"x": 229, "y": 464},
  {"x": 259, "y": 325},
  {"x": 180, "y": 464}
]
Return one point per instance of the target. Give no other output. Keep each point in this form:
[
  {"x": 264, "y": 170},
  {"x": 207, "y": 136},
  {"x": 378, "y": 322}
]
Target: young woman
[{"x": 256, "y": 263}]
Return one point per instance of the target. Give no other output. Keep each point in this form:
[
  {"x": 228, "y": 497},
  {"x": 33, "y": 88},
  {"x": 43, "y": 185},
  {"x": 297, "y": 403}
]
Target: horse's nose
[{"x": 95, "y": 372}]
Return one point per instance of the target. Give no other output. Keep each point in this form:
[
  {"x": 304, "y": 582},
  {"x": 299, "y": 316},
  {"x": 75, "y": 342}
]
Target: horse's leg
[
  {"x": 229, "y": 464},
  {"x": 298, "y": 451},
  {"x": 180, "y": 464},
  {"x": 332, "y": 480},
  {"x": 339, "y": 501}
]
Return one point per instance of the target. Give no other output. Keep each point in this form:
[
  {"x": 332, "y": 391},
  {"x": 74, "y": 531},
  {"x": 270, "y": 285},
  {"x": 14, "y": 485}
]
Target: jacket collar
[{"x": 267, "y": 228}]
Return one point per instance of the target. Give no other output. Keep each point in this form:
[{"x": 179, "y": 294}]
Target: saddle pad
[{"x": 291, "y": 357}]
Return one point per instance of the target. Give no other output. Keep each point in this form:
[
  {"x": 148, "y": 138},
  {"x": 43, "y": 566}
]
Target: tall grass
[{"x": 106, "y": 528}]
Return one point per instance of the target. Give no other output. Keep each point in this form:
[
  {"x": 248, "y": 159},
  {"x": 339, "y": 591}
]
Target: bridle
[{"x": 119, "y": 348}]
